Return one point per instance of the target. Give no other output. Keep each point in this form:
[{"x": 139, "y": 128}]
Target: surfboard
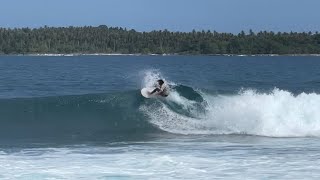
[{"x": 145, "y": 92}]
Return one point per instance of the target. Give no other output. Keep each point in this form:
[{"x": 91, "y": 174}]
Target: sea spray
[{"x": 275, "y": 114}]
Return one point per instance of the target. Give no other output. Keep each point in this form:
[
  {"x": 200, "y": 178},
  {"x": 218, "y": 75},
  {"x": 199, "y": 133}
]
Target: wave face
[
  {"x": 185, "y": 111},
  {"x": 76, "y": 116}
]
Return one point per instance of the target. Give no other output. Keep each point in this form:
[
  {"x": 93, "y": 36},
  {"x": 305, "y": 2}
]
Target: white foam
[
  {"x": 92, "y": 163},
  {"x": 151, "y": 76},
  {"x": 277, "y": 114},
  {"x": 168, "y": 159}
]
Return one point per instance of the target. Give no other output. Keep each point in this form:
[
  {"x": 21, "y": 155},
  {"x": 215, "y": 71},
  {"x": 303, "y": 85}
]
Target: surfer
[{"x": 162, "y": 89}]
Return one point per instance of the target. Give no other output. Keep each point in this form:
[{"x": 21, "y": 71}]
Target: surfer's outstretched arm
[{"x": 155, "y": 90}]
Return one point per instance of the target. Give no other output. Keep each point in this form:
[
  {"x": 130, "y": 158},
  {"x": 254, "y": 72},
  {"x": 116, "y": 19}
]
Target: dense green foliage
[{"x": 104, "y": 39}]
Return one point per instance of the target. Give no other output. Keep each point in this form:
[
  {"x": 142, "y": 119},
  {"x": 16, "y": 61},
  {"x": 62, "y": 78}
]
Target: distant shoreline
[
  {"x": 119, "y": 54},
  {"x": 104, "y": 40}
]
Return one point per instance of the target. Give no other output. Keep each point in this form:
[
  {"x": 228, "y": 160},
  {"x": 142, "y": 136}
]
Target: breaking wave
[{"x": 186, "y": 111}]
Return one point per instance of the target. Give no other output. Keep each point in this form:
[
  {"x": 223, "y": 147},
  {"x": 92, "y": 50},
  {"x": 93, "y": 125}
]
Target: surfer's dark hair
[{"x": 160, "y": 81}]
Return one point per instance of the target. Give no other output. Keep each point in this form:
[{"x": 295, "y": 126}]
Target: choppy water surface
[{"x": 225, "y": 117}]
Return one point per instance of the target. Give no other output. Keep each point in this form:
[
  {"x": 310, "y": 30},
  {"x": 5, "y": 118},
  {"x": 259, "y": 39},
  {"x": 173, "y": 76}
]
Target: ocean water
[{"x": 83, "y": 117}]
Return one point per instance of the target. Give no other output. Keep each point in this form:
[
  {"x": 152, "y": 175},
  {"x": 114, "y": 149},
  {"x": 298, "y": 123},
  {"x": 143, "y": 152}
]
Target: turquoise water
[{"x": 226, "y": 117}]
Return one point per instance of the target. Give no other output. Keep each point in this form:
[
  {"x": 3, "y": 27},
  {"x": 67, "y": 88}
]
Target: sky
[{"x": 174, "y": 15}]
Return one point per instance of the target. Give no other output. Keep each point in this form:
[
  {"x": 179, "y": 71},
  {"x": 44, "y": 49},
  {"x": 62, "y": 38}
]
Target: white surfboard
[{"x": 145, "y": 92}]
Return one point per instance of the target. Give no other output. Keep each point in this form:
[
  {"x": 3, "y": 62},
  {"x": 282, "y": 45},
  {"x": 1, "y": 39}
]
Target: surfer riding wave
[{"x": 161, "y": 89}]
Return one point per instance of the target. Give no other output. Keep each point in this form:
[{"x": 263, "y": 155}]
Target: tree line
[{"x": 103, "y": 39}]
